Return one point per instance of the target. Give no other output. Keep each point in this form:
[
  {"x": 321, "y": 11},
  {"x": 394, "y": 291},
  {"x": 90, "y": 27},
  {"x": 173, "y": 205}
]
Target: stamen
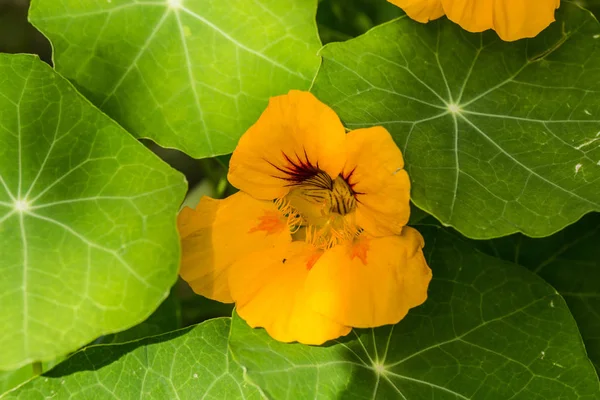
[
  {"x": 294, "y": 219},
  {"x": 318, "y": 209},
  {"x": 336, "y": 230}
]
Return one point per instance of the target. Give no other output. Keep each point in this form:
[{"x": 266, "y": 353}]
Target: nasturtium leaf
[
  {"x": 188, "y": 74},
  {"x": 570, "y": 262},
  {"x": 489, "y": 330},
  {"x": 88, "y": 242},
  {"x": 11, "y": 379},
  {"x": 192, "y": 363},
  {"x": 166, "y": 318},
  {"x": 498, "y": 137}
]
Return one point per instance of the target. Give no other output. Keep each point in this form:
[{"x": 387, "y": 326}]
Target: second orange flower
[{"x": 511, "y": 19}]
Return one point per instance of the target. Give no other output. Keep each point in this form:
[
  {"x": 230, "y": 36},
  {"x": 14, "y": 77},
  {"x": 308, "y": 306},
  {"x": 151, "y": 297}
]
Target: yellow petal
[
  {"x": 374, "y": 171},
  {"x": 219, "y": 232},
  {"x": 511, "y": 19},
  {"x": 393, "y": 280},
  {"x": 421, "y": 10},
  {"x": 268, "y": 288},
  {"x": 296, "y": 133}
]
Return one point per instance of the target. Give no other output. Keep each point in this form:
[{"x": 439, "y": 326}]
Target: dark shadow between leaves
[{"x": 96, "y": 357}]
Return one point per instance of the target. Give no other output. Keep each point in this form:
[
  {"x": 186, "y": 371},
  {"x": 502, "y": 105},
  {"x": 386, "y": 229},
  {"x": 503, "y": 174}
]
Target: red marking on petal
[
  {"x": 312, "y": 260},
  {"x": 271, "y": 223},
  {"x": 360, "y": 249}
]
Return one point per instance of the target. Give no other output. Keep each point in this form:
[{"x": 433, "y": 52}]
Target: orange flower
[
  {"x": 315, "y": 242},
  {"x": 511, "y": 19}
]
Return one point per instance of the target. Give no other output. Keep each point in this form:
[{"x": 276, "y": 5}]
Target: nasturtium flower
[
  {"x": 315, "y": 242},
  {"x": 511, "y": 19}
]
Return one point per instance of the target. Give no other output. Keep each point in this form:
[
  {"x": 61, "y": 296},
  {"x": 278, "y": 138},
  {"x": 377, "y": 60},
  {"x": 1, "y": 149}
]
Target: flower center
[{"x": 324, "y": 208}]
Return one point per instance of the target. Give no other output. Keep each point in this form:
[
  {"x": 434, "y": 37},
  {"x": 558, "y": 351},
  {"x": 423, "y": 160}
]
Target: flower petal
[
  {"x": 374, "y": 171},
  {"x": 219, "y": 232},
  {"x": 421, "y": 10},
  {"x": 268, "y": 288},
  {"x": 296, "y": 129},
  {"x": 393, "y": 280},
  {"x": 511, "y": 19}
]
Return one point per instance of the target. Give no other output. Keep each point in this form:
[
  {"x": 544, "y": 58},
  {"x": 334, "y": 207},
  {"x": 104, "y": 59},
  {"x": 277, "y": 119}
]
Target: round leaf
[
  {"x": 88, "y": 242},
  {"x": 188, "y": 74},
  {"x": 498, "y": 137},
  {"x": 568, "y": 260}
]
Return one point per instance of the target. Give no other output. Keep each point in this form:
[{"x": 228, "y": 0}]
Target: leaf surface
[
  {"x": 187, "y": 364},
  {"x": 188, "y": 74},
  {"x": 489, "y": 330},
  {"x": 570, "y": 262},
  {"x": 498, "y": 137},
  {"x": 88, "y": 242}
]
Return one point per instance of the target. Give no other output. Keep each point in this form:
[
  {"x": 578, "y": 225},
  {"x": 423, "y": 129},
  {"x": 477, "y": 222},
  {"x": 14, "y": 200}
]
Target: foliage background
[{"x": 568, "y": 260}]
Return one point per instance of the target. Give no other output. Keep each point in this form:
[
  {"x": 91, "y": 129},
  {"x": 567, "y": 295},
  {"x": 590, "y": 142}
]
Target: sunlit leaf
[
  {"x": 191, "y": 363},
  {"x": 88, "y": 243},
  {"x": 498, "y": 137},
  {"x": 166, "y": 318},
  {"x": 189, "y": 74}
]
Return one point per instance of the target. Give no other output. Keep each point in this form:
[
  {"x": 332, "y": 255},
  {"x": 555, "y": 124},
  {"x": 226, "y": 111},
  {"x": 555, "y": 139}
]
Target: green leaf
[
  {"x": 569, "y": 261},
  {"x": 185, "y": 364},
  {"x": 188, "y": 74},
  {"x": 87, "y": 219},
  {"x": 489, "y": 330},
  {"x": 498, "y": 137},
  {"x": 166, "y": 318},
  {"x": 12, "y": 379}
]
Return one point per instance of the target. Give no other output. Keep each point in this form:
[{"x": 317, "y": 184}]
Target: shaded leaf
[
  {"x": 498, "y": 137},
  {"x": 88, "y": 241},
  {"x": 569, "y": 261},
  {"x": 341, "y": 20},
  {"x": 188, "y": 74}
]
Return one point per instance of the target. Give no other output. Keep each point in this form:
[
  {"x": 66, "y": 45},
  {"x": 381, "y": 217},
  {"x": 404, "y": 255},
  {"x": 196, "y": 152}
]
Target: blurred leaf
[
  {"x": 191, "y": 74},
  {"x": 569, "y": 261},
  {"x": 196, "y": 309},
  {"x": 592, "y": 5},
  {"x": 185, "y": 364},
  {"x": 16, "y": 33},
  {"x": 498, "y": 137},
  {"x": 88, "y": 241},
  {"x": 341, "y": 20},
  {"x": 489, "y": 330}
]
